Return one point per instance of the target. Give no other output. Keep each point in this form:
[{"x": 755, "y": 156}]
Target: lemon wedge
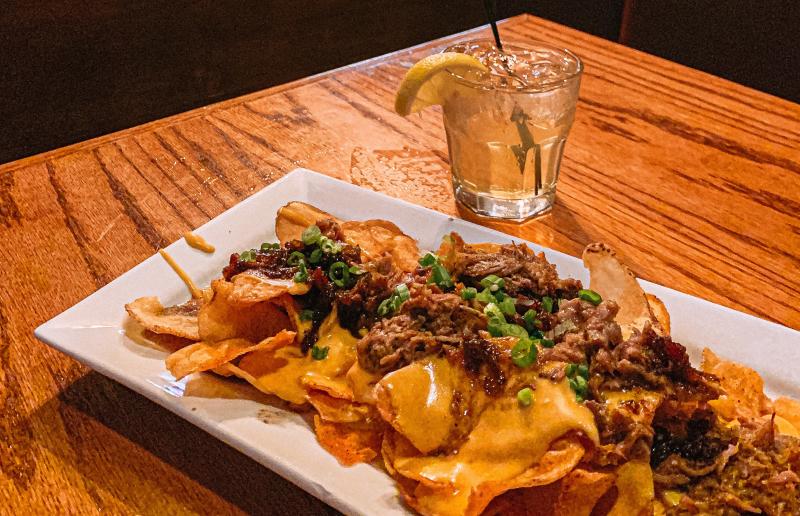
[{"x": 425, "y": 83}]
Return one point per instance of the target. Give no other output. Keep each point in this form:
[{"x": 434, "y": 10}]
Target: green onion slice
[
  {"x": 547, "y": 304},
  {"x": 493, "y": 283},
  {"x": 508, "y": 305},
  {"x": 525, "y": 396},
  {"x": 328, "y": 246},
  {"x": 301, "y": 276},
  {"x": 296, "y": 258},
  {"x": 339, "y": 273},
  {"x": 318, "y": 353},
  {"x": 440, "y": 276},
  {"x": 486, "y": 297},
  {"x": 311, "y": 235},
  {"x": 524, "y": 353},
  {"x": 428, "y": 260},
  {"x": 315, "y": 256},
  {"x": 590, "y": 296},
  {"x": 469, "y": 293}
]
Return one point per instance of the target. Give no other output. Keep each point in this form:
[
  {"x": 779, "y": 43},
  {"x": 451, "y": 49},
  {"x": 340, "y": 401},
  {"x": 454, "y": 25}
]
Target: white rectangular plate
[{"x": 94, "y": 332}]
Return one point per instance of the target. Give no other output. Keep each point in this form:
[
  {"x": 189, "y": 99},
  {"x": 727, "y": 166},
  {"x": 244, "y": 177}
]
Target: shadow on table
[{"x": 96, "y": 412}]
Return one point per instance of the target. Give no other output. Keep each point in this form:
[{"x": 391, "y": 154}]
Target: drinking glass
[{"x": 506, "y": 129}]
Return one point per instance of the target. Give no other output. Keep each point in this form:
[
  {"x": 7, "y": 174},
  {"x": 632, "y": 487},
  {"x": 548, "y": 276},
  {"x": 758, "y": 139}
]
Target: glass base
[{"x": 515, "y": 209}]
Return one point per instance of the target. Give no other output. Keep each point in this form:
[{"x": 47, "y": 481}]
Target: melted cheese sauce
[
  {"x": 286, "y": 372},
  {"x": 420, "y": 396},
  {"x": 507, "y": 439},
  {"x": 196, "y": 292},
  {"x": 198, "y": 242}
]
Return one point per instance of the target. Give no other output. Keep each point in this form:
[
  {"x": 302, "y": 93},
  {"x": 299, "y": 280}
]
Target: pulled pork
[
  {"x": 426, "y": 322},
  {"x": 759, "y": 475},
  {"x": 582, "y": 329},
  {"x": 524, "y": 273}
]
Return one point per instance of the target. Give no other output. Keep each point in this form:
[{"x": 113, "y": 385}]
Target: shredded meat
[
  {"x": 581, "y": 328},
  {"x": 358, "y": 306},
  {"x": 331, "y": 229},
  {"x": 270, "y": 264},
  {"x": 426, "y": 321},
  {"x": 761, "y": 477},
  {"x": 524, "y": 273}
]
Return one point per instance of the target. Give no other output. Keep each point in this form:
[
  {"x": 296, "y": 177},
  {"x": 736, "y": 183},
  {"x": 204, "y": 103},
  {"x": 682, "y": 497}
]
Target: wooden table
[{"x": 695, "y": 180}]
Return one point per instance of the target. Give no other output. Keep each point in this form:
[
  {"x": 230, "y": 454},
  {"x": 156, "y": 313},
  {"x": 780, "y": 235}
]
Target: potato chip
[
  {"x": 510, "y": 446},
  {"x": 789, "y": 410},
  {"x": 528, "y": 501},
  {"x": 659, "y": 311},
  {"x": 289, "y": 374},
  {"x": 580, "y": 491},
  {"x": 338, "y": 410},
  {"x": 635, "y": 490},
  {"x": 180, "y": 320},
  {"x": 612, "y": 280},
  {"x": 377, "y": 237},
  {"x": 250, "y": 288},
  {"x": 349, "y": 443},
  {"x": 220, "y": 319},
  {"x": 744, "y": 389},
  {"x": 563, "y": 456},
  {"x": 203, "y": 356},
  {"x": 295, "y": 217}
]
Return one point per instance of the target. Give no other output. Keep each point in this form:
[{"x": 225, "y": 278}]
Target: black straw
[{"x": 491, "y": 13}]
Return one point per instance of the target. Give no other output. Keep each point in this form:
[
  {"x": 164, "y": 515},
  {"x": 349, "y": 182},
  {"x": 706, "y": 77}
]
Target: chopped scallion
[
  {"x": 248, "y": 256},
  {"x": 301, "y": 276},
  {"x": 339, "y": 274},
  {"x": 469, "y": 293},
  {"x": 311, "y": 235},
  {"x": 315, "y": 256},
  {"x": 524, "y": 352},
  {"x": 318, "y": 353},
  {"x": 296, "y": 258},
  {"x": 590, "y": 296},
  {"x": 440, "y": 276},
  {"x": 525, "y": 396},
  {"x": 486, "y": 297},
  {"x": 428, "y": 260},
  {"x": 493, "y": 283},
  {"x": 508, "y": 305}
]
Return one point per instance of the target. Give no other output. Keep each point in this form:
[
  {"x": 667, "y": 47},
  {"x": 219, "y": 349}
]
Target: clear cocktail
[{"x": 506, "y": 128}]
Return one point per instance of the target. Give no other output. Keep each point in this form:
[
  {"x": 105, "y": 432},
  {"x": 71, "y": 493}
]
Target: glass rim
[{"x": 544, "y": 86}]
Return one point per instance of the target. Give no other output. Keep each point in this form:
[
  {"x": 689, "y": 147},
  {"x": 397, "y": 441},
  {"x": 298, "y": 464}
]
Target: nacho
[
  {"x": 203, "y": 356},
  {"x": 222, "y": 318},
  {"x": 743, "y": 389},
  {"x": 295, "y": 217},
  {"x": 612, "y": 280},
  {"x": 483, "y": 381},
  {"x": 379, "y": 237},
  {"x": 180, "y": 320}
]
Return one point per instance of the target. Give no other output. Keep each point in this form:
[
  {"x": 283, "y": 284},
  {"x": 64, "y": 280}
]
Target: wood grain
[{"x": 695, "y": 180}]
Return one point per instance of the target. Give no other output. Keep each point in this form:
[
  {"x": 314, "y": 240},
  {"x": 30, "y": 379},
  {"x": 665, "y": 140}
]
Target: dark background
[{"x": 74, "y": 69}]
